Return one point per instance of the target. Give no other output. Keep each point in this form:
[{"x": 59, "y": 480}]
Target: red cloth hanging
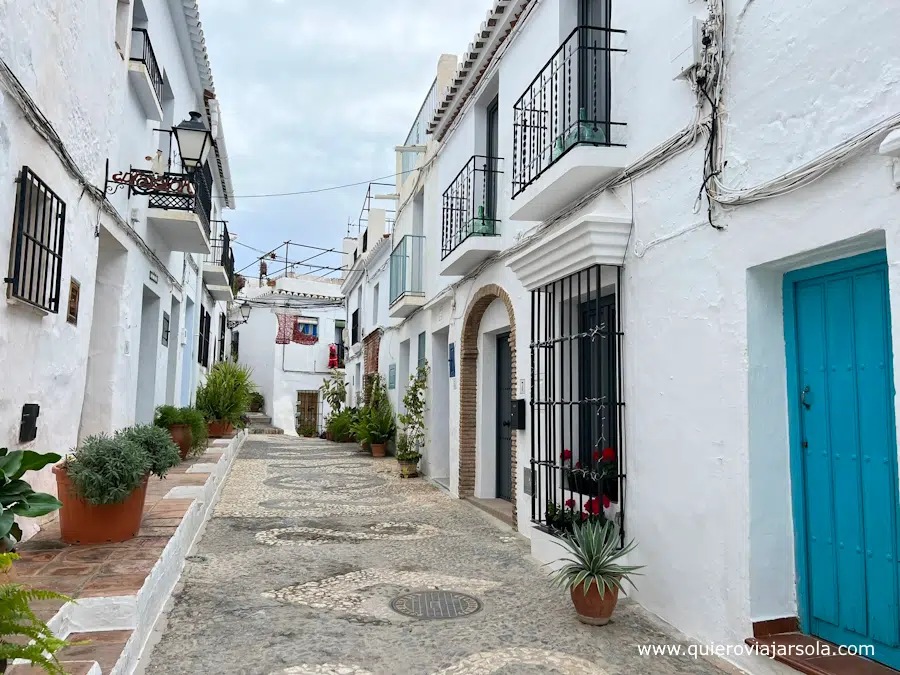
[
  {"x": 332, "y": 356},
  {"x": 287, "y": 323}
]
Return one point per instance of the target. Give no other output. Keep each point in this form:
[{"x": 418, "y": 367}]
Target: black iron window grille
[
  {"x": 221, "y": 337},
  {"x": 577, "y": 406},
  {"x": 568, "y": 104},
  {"x": 354, "y": 327},
  {"x": 171, "y": 192},
  {"x": 166, "y": 322},
  {"x": 470, "y": 203},
  {"x": 38, "y": 237},
  {"x": 142, "y": 52},
  {"x": 222, "y": 253},
  {"x": 235, "y": 345},
  {"x": 203, "y": 345}
]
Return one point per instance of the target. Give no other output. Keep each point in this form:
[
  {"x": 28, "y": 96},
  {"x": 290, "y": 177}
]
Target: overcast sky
[{"x": 316, "y": 94}]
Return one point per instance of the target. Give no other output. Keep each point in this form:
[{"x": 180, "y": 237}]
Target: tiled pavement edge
[{"x": 120, "y": 589}]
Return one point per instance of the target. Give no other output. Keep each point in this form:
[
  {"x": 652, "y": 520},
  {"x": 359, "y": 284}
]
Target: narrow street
[{"x": 312, "y": 541}]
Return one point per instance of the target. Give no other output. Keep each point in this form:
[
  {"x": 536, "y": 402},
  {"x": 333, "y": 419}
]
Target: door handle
[
  {"x": 506, "y": 423},
  {"x": 803, "y": 397}
]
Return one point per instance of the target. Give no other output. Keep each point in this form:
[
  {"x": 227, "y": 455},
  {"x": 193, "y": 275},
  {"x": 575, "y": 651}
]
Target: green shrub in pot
[
  {"x": 107, "y": 469},
  {"x": 226, "y": 394},
  {"x": 257, "y": 402},
  {"x": 339, "y": 425},
  {"x": 167, "y": 416},
  {"x": 157, "y": 443},
  {"x": 380, "y": 423},
  {"x": 16, "y": 496}
]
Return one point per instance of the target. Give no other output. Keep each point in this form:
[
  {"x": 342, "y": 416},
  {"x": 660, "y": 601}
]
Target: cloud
[{"x": 318, "y": 93}]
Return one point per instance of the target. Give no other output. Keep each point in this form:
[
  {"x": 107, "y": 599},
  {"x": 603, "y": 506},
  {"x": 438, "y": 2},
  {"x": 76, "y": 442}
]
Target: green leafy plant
[
  {"x": 226, "y": 393},
  {"x": 16, "y": 496},
  {"x": 405, "y": 451},
  {"x": 359, "y": 425},
  {"x": 339, "y": 426},
  {"x": 308, "y": 430},
  {"x": 381, "y": 426},
  {"x": 106, "y": 469},
  {"x": 168, "y": 415},
  {"x": 157, "y": 443},
  {"x": 22, "y": 634},
  {"x": 257, "y": 401},
  {"x": 334, "y": 390},
  {"x": 594, "y": 558},
  {"x": 413, "y": 420}
]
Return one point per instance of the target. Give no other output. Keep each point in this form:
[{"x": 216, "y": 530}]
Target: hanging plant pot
[
  {"x": 379, "y": 449},
  {"x": 594, "y": 609},
  {"x": 83, "y": 523},
  {"x": 408, "y": 468},
  {"x": 220, "y": 428},
  {"x": 183, "y": 437}
]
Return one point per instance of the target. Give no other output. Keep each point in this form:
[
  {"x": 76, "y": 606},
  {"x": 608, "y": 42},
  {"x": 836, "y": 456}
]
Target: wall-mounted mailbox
[
  {"x": 28, "y": 425},
  {"x": 518, "y": 413}
]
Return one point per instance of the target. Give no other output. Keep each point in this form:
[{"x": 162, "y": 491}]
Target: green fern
[
  {"x": 226, "y": 393},
  {"x": 19, "y": 622}
]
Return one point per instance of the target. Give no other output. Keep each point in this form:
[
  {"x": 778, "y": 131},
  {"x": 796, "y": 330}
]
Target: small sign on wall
[
  {"x": 451, "y": 359},
  {"x": 392, "y": 376}
]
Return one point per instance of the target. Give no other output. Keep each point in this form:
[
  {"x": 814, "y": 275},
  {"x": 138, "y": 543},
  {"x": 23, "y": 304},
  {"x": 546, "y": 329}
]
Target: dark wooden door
[{"x": 504, "y": 415}]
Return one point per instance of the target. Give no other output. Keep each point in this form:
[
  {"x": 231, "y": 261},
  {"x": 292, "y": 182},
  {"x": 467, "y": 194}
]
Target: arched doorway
[{"x": 468, "y": 388}]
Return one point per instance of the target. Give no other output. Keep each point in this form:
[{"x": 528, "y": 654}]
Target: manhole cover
[{"x": 435, "y": 605}]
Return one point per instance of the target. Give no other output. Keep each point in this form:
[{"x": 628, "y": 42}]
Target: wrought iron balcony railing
[
  {"x": 568, "y": 104},
  {"x": 178, "y": 192},
  {"x": 407, "y": 267},
  {"x": 222, "y": 253},
  {"x": 418, "y": 134},
  {"x": 142, "y": 52},
  {"x": 470, "y": 203}
]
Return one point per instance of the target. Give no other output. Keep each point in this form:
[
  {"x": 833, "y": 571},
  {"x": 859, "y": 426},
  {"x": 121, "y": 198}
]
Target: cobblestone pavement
[{"x": 312, "y": 541}]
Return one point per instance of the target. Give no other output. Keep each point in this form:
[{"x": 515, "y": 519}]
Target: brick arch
[{"x": 468, "y": 387}]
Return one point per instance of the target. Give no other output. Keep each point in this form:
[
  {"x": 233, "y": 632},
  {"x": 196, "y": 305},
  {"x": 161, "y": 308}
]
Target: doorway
[
  {"x": 147, "y": 358},
  {"x": 504, "y": 417},
  {"x": 437, "y": 465},
  {"x": 187, "y": 357},
  {"x": 844, "y": 452},
  {"x": 171, "y": 335}
]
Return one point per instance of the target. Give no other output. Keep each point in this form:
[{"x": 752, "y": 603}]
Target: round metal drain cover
[{"x": 436, "y": 605}]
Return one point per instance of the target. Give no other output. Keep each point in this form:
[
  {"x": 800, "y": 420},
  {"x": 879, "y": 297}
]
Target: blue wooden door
[{"x": 846, "y": 498}]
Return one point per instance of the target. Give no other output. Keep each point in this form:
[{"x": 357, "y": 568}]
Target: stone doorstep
[{"x": 111, "y": 579}]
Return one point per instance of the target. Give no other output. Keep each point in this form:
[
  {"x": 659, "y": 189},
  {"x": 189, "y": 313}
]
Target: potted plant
[
  {"x": 16, "y": 496},
  {"x": 177, "y": 421},
  {"x": 593, "y": 573},
  {"x": 225, "y": 397},
  {"x": 102, "y": 484},
  {"x": 381, "y": 427},
  {"x": 257, "y": 402},
  {"x": 338, "y": 427},
  {"x": 359, "y": 426},
  {"x": 307, "y": 430},
  {"x": 334, "y": 391},
  {"x": 413, "y": 421},
  {"x": 23, "y": 635}
]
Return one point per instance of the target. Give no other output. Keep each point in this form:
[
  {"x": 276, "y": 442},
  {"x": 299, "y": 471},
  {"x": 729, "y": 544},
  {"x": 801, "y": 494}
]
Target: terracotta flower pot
[
  {"x": 329, "y": 436},
  {"x": 84, "y": 523},
  {"x": 408, "y": 468},
  {"x": 220, "y": 428},
  {"x": 183, "y": 437},
  {"x": 592, "y": 608},
  {"x": 378, "y": 450}
]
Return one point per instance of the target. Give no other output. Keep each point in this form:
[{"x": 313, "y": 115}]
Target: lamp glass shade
[
  {"x": 194, "y": 141},
  {"x": 245, "y": 312}
]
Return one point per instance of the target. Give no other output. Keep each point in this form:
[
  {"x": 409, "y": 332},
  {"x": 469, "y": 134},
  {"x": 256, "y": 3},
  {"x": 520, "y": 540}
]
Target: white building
[
  {"x": 552, "y": 247},
  {"x": 116, "y": 301},
  {"x": 292, "y": 357}
]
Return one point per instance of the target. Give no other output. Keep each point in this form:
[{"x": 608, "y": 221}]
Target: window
[
  {"x": 354, "y": 327},
  {"x": 308, "y": 328},
  {"x": 365, "y": 241},
  {"x": 422, "y": 357},
  {"x": 165, "y": 329},
  {"x": 74, "y": 299},
  {"x": 492, "y": 146},
  {"x": 235, "y": 345},
  {"x": 339, "y": 332},
  {"x": 221, "y": 337},
  {"x": 35, "y": 262},
  {"x": 203, "y": 346},
  {"x": 375, "y": 305},
  {"x": 392, "y": 376}
]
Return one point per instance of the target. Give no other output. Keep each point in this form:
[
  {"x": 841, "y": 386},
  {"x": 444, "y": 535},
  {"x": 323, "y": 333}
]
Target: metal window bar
[
  {"x": 354, "y": 327},
  {"x": 200, "y": 202},
  {"x": 142, "y": 52},
  {"x": 35, "y": 265},
  {"x": 407, "y": 267},
  {"x": 567, "y": 105},
  {"x": 577, "y": 406},
  {"x": 469, "y": 207},
  {"x": 221, "y": 337},
  {"x": 222, "y": 253}
]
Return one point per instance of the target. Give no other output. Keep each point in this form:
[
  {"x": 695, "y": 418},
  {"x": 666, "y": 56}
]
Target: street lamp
[
  {"x": 194, "y": 141},
  {"x": 245, "y": 315}
]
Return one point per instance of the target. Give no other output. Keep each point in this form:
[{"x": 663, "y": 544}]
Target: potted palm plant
[
  {"x": 593, "y": 572},
  {"x": 381, "y": 428},
  {"x": 22, "y": 634},
  {"x": 225, "y": 397},
  {"x": 102, "y": 484},
  {"x": 16, "y": 496}
]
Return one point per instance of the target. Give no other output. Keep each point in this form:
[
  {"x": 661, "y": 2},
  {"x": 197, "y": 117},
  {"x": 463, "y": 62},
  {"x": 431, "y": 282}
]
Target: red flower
[
  {"x": 592, "y": 506},
  {"x": 570, "y": 503},
  {"x": 609, "y": 455},
  {"x": 566, "y": 454},
  {"x": 577, "y": 465},
  {"x": 584, "y": 516},
  {"x": 606, "y": 502},
  {"x": 596, "y": 455}
]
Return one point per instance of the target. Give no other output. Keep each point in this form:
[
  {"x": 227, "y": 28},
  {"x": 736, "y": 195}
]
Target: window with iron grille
[
  {"x": 203, "y": 346},
  {"x": 165, "y": 329},
  {"x": 423, "y": 359},
  {"x": 221, "y": 337},
  {"x": 36, "y": 253},
  {"x": 577, "y": 444},
  {"x": 354, "y": 327},
  {"x": 235, "y": 345}
]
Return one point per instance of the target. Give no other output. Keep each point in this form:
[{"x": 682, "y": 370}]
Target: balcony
[
  {"x": 469, "y": 231},
  {"x": 564, "y": 142},
  {"x": 407, "y": 276},
  {"x": 145, "y": 74},
  {"x": 218, "y": 270},
  {"x": 178, "y": 208}
]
